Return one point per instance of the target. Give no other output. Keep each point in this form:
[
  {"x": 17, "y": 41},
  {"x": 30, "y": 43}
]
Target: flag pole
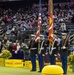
[
  {"x": 39, "y": 25},
  {"x": 50, "y": 24}
]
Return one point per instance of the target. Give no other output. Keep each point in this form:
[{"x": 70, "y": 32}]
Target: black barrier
[{"x": 19, "y": 55}]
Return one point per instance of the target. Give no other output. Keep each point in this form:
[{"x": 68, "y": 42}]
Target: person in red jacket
[
  {"x": 6, "y": 19},
  {"x": 14, "y": 47}
]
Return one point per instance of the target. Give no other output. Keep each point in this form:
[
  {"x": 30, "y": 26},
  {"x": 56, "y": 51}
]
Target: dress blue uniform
[
  {"x": 46, "y": 48},
  {"x": 53, "y": 52},
  {"x": 64, "y": 52},
  {"x": 41, "y": 53},
  {"x": 33, "y": 52}
]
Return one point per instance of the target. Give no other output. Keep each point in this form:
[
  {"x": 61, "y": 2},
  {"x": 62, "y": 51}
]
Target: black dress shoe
[
  {"x": 64, "y": 73},
  {"x": 39, "y": 71},
  {"x": 32, "y": 70}
]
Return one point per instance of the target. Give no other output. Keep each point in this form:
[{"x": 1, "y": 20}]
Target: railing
[
  {"x": 63, "y": 4},
  {"x": 71, "y": 39}
]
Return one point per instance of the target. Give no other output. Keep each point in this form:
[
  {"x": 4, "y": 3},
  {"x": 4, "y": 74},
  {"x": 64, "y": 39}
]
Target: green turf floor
[{"x": 20, "y": 71}]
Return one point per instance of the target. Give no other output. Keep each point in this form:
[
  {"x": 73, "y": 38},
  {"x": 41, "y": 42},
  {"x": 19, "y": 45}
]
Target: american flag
[
  {"x": 39, "y": 21},
  {"x": 50, "y": 24}
]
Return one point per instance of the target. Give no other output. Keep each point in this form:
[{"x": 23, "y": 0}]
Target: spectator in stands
[
  {"x": 5, "y": 46},
  {"x": 57, "y": 38},
  {"x": 24, "y": 48},
  {"x": 63, "y": 26},
  {"x": 8, "y": 31},
  {"x": 2, "y": 23},
  {"x": 18, "y": 47},
  {"x": 6, "y": 18},
  {"x": 14, "y": 47}
]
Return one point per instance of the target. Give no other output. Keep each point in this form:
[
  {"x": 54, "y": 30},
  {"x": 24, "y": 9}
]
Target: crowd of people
[{"x": 16, "y": 27}]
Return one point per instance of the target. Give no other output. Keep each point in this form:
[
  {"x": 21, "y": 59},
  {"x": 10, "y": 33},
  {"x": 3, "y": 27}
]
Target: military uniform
[
  {"x": 46, "y": 48},
  {"x": 41, "y": 52},
  {"x": 53, "y": 52},
  {"x": 33, "y": 52},
  {"x": 64, "y": 53}
]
